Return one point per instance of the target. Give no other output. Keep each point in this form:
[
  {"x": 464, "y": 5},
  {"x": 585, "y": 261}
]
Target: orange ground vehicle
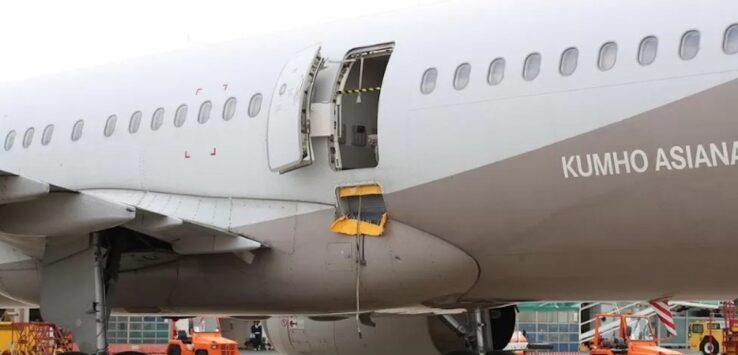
[
  {"x": 199, "y": 336},
  {"x": 632, "y": 335}
]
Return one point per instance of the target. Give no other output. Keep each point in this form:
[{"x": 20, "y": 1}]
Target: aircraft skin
[{"x": 492, "y": 190}]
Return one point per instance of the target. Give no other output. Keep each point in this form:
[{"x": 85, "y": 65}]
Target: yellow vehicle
[
  {"x": 706, "y": 336},
  {"x": 35, "y": 338}
]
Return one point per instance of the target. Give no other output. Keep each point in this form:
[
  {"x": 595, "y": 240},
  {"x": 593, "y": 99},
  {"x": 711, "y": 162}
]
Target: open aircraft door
[{"x": 288, "y": 125}]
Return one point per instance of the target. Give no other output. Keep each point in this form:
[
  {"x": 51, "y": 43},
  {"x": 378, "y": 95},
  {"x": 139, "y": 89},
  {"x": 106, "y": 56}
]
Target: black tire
[
  {"x": 502, "y": 323},
  {"x": 201, "y": 352},
  {"x": 174, "y": 350},
  {"x": 709, "y": 346}
]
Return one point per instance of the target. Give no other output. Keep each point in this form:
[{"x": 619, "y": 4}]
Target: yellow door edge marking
[
  {"x": 354, "y": 227},
  {"x": 362, "y": 190}
]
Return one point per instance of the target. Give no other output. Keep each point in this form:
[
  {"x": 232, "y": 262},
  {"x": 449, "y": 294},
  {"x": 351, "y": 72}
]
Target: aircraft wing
[
  {"x": 192, "y": 238},
  {"x": 31, "y": 208}
]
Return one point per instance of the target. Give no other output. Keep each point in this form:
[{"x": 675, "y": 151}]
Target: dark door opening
[{"x": 355, "y": 139}]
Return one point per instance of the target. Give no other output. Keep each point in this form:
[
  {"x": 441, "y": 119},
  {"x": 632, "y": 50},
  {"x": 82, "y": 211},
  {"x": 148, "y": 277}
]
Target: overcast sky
[{"x": 41, "y": 37}]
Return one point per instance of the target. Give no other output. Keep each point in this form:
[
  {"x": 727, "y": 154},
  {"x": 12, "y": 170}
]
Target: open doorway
[{"x": 355, "y": 139}]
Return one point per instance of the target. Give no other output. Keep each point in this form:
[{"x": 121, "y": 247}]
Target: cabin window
[
  {"x": 648, "y": 50},
  {"x": 157, "y": 119},
  {"x": 135, "y": 122},
  {"x": 204, "y": 114},
  {"x": 355, "y": 141},
  {"x": 461, "y": 76},
  {"x": 697, "y": 328},
  {"x": 496, "y": 72},
  {"x": 9, "y": 140},
  {"x": 229, "y": 109},
  {"x": 77, "y": 130},
  {"x": 532, "y": 66},
  {"x": 428, "y": 82},
  {"x": 730, "y": 44},
  {"x": 690, "y": 45},
  {"x": 608, "y": 56},
  {"x": 180, "y": 116},
  {"x": 28, "y": 137},
  {"x": 110, "y": 125},
  {"x": 48, "y": 133},
  {"x": 255, "y": 105},
  {"x": 569, "y": 61}
]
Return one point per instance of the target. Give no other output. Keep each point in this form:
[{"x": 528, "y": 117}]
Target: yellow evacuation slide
[{"x": 361, "y": 211}]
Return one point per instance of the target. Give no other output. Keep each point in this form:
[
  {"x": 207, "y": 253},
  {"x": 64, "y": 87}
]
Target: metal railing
[{"x": 636, "y": 308}]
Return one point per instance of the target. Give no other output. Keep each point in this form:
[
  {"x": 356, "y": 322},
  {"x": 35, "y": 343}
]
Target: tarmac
[{"x": 249, "y": 352}]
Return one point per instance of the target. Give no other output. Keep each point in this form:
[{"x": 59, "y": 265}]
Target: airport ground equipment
[
  {"x": 34, "y": 338},
  {"x": 730, "y": 330},
  {"x": 632, "y": 335},
  {"x": 588, "y": 312},
  {"x": 716, "y": 336},
  {"x": 202, "y": 336},
  {"x": 706, "y": 336}
]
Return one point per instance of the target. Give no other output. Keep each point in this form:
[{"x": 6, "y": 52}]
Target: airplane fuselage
[{"x": 549, "y": 186}]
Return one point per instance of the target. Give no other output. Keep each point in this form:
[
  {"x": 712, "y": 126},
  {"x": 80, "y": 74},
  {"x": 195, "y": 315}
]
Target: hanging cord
[
  {"x": 359, "y": 263},
  {"x": 361, "y": 77}
]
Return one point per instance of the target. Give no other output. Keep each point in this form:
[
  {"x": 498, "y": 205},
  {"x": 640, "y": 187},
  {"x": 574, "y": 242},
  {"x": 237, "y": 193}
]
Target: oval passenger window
[
  {"x": 135, "y": 122},
  {"x": 496, "y": 72},
  {"x": 110, "y": 125},
  {"x": 461, "y": 76},
  {"x": 204, "y": 114},
  {"x": 532, "y": 66},
  {"x": 428, "y": 82},
  {"x": 48, "y": 133},
  {"x": 255, "y": 105},
  {"x": 9, "y": 140},
  {"x": 229, "y": 109},
  {"x": 730, "y": 45},
  {"x": 569, "y": 61},
  {"x": 648, "y": 50},
  {"x": 77, "y": 130},
  {"x": 157, "y": 119},
  {"x": 28, "y": 137},
  {"x": 608, "y": 56},
  {"x": 180, "y": 115},
  {"x": 690, "y": 45}
]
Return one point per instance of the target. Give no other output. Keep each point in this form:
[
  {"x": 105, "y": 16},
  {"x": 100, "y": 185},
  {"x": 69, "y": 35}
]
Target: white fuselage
[{"x": 422, "y": 138}]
